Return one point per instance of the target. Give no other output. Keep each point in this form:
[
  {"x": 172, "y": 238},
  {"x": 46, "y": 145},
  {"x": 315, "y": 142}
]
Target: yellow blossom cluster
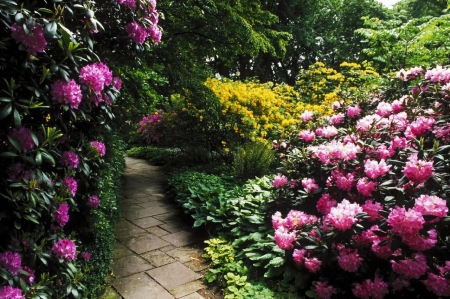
[{"x": 319, "y": 84}]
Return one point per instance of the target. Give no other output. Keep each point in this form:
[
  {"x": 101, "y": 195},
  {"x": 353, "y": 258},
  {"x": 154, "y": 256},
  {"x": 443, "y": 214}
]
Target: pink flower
[
  {"x": 65, "y": 249},
  {"x": 383, "y": 152},
  {"x": 397, "y": 105},
  {"x": 71, "y": 185},
  {"x": 384, "y": 109},
  {"x": 99, "y": 147},
  {"x": 325, "y": 203},
  {"x": 11, "y": 261},
  {"x": 329, "y": 153},
  {"x": 323, "y": 290},
  {"x": 137, "y": 32},
  {"x": 405, "y": 222},
  {"x": 68, "y": 93},
  {"x": 312, "y": 264},
  {"x": 284, "y": 238},
  {"x": 307, "y": 135},
  {"x": 62, "y": 214},
  {"x": 15, "y": 172},
  {"x": 310, "y": 185},
  {"x": 400, "y": 283},
  {"x": 69, "y": 159},
  {"x": 277, "y": 220},
  {"x": 439, "y": 285},
  {"x": 370, "y": 237},
  {"x": 376, "y": 289},
  {"x": 431, "y": 205},
  {"x": 299, "y": 256},
  {"x": 419, "y": 242},
  {"x": 117, "y": 83},
  {"x": 155, "y": 33},
  {"x": 29, "y": 277},
  {"x": 353, "y": 111},
  {"x": 337, "y": 119},
  {"x": 34, "y": 41},
  {"x": 96, "y": 76},
  {"x": 23, "y": 136},
  {"x": 372, "y": 209},
  {"x": 412, "y": 269},
  {"x": 336, "y": 105},
  {"x": 279, "y": 181},
  {"x": 307, "y": 116},
  {"x": 342, "y": 217},
  {"x": 296, "y": 219},
  {"x": 130, "y": 3},
  {"x": 374, "y": 169},
  {"x": 344, "y": 181},
  {"x": 418, "y": 171},
  {"x": 349, "y": 259},
  {"x": 369, "y": 122},
  {"x": 93, "y": 201},
  {"x": 398, "y": 122},
  {"x": 327, "y": 132},
  {"x": 419, "y": 127},
  {"x": 398, "y": 142},
  {"x": 438, "y": 75},
  {"x": 366, "y": 187},
  {"x": 86, "y": 256},
  {"x": 8, "y": 292}
]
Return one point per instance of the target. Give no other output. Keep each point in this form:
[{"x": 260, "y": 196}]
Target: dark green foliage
[
  {"x": 100, "y": 241},
  {"x": 253, "y": 159},
  {"x": 154, "y": 155}
]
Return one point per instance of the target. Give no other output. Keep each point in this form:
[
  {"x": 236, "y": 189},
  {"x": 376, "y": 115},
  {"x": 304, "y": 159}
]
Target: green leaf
[
  {"x": 6, "y": 111},
  {"x": 14, "y": 143},
  {"x": 310, "y": 294},
  {"x": 276, "y": 262},
  {"x": 17, "y": 119},
  {"x": 8, "y": 155},
  {"x": 38, "y": 158}
]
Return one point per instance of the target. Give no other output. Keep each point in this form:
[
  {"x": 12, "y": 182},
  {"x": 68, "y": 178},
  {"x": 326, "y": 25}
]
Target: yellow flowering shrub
[
  {"x": 257, "y": 110},
  {"x": 322, "y": 85}
]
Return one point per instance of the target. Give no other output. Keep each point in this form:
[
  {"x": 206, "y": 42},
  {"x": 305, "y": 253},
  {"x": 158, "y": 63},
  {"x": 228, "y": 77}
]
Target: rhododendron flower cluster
[
  {"x": 70, "y": 159},
  {"x": 8, "y": 292},
  {"x": 279, "y": 181},
  {"x": 150, "y": 126},
  {"x": 93, "y": 201},
  {"x": 307, "y": 116},
  {"x": 34, "y": 41},
  {"x": 62, "y": 214},
  {"x": 324, "y": 290},
  {"x": 418, "y": 171},
  {"x": 71, "y": 185},
  {"x": 99, "y": 147},
  {"x": 369, "y": 289},
  {"x": 96, "y": 76},
  {"x": 68, "y": 93},
  {"x": 23, "y": 136},
  {"x": 383, "y": 196},
  {"x": 11, "y": 261},
  {"x": 65, "y": 249}
]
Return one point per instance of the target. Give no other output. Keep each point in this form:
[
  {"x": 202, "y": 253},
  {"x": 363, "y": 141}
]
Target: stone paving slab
[
  {"x": 140, "y": 286},
  {"x": 158, "y": 258},
  {"x": 173, "y": 275},
  {"x": 180, "y": 238},
  {"x": 129, "y": 264},
  {"x": 147, "y": 222},
  {"x": 193, "y": 296},
  {"x": 144, "y": 243},
  {"x": 153, "y": 257},
  {"x": 187, "y": 288}
]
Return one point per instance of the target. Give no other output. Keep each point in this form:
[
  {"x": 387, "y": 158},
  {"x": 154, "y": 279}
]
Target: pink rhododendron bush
[
  {"x": 363, "y": 202},
  {"x": 58, "y": 153}
]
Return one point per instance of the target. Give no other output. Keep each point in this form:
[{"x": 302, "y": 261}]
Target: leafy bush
[
  {"x": 253, "y": 159},
  {"x": 363, "y": 202},
  {"x": 60, "y": 165},
  {"x": 154, "y": 155}
]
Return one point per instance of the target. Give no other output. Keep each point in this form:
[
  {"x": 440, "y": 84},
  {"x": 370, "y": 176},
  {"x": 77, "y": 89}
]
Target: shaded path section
[{"x": 157, "y": 255}]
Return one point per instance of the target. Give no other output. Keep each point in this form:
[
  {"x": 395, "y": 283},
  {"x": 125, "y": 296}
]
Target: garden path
[{"x": 157, "y": 255}]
